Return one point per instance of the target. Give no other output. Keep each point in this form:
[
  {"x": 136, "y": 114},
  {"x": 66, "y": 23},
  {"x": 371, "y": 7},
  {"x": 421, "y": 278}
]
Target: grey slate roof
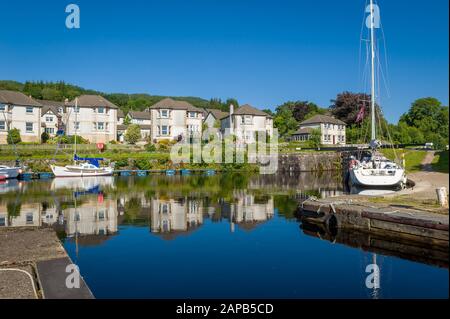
[
  {"x": 317, "y": 119},
  {"x": 247, "y": 109},
  {"x": 140, "y": 115},
  {"x": 52, "y": 106},
  {"x": 218, "y": 114},
  {"x": 93, "y": 101},
  {"x": 120, "y": 113},
  {"x": 17, "y": 98},
  {"x": 172, "y": 104},
  {"x": 305, "y": 130}
]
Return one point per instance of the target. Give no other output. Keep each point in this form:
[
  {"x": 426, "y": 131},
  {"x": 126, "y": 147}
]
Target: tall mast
[
  {"x": 372, "y": 44},
  {"x": 76, "y": 128}
]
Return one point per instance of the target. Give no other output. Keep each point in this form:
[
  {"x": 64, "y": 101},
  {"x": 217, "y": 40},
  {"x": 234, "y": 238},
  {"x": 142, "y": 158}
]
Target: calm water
[{"x": 215, "y": 237}]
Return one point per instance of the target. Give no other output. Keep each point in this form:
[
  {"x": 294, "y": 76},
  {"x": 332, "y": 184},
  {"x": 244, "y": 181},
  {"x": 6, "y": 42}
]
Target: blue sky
[{"x": 260, "y": 52}]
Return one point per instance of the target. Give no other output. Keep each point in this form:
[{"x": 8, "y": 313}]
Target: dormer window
[
  {"x": 101, "y": 109},
  {"x": 192, "y": 114}
]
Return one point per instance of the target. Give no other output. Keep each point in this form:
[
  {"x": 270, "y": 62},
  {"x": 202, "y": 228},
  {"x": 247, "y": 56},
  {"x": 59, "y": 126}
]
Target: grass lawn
[
  {"x": 440, "y": 162},
  {"x": 413, "y": 158}
]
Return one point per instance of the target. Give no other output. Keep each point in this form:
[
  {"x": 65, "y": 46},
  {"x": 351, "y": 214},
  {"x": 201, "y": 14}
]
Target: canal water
[{"x": 228, "y": 235}]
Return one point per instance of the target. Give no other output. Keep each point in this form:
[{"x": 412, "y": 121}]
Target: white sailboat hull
[
  {"x": 78, "y": 171},
  {"x": 377, "y": 177}
]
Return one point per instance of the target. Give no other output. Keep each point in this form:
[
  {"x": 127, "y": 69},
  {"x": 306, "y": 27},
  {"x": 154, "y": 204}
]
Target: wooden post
[{"x": 442, "y": 196}]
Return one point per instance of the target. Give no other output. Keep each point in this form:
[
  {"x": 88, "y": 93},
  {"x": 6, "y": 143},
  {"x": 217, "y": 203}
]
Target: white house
[
  {"x": 214, "y": 116},
  {"x": 174, "y": 120},
  {"x": 245, "y": 122},
  {"x": 52, "y": 116},
  {"x": 22, "y": 112},
  {"x": 332, "y": 130},
  {"x": 144, "y": 120},
  {"x": 94, "y": 119}
]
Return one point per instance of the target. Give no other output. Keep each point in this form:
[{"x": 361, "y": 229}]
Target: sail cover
[{"x": 92, "y": 160}]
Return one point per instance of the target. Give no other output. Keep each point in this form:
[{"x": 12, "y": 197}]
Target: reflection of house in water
[
  {"x": 175, "y": 215},
  {"x": 21, "y": 215},
  {"x": 248, "y": 210},
  {"x": 93, "y": 217}
]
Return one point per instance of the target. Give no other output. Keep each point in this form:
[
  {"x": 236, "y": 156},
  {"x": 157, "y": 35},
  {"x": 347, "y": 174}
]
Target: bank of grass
[
  {"x": 413, "y": 158},
  {"x": 409, "y": 201},
  {"x": 440, "y": 162}
]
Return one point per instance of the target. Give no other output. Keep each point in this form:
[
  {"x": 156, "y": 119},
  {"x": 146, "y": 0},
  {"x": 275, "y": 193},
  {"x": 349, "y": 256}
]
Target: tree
[
  {"x": 126, "y": 120},
  {"x": 285, "y": 122},
  {"x": 133, "y": 134},
  {"x": 14, "y": 136},
  {"x": 315, "y": 140},
  {"x": 44, "y": 137},
  {"x": 347, "y": 105},
  {"x": 428, "y": 120}
]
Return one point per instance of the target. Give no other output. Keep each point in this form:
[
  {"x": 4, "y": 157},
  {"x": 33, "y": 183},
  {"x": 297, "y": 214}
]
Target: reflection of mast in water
[
  {"x": 377, "y": 278},
  {"x": 76, "y": 226}
]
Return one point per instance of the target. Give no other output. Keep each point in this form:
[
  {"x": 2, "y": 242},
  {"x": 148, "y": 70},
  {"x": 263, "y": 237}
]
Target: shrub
[
  {"x": 14, "y": 136},
  {"x": 44, "y": 137},
  {"x": 150, "y": 147},
  {"x": 133, "y": 134}
]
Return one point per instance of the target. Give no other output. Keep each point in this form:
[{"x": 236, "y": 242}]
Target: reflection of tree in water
[{"x": 132, "y": 209}]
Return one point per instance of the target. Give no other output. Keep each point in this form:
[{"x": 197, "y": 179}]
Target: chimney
[{"x": 231, "y": 118}]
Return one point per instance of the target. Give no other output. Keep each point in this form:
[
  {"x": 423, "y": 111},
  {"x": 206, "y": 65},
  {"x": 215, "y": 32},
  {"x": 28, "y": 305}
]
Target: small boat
[
  {"x": 91, "y": 168},
  {"x": 10, "y": 172}
]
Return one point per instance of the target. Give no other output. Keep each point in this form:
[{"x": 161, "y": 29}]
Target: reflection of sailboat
[
  {"x": 91, "y": 168},
  {"x": 77, "y": 183},
  {"x": 9, "y": 185},
  {"x": 375, "y": 170},
  {"x": 354, "y": 190}
]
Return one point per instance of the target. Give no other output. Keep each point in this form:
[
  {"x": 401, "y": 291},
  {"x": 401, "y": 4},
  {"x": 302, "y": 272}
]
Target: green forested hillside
[{"x": 58, "y": 91}]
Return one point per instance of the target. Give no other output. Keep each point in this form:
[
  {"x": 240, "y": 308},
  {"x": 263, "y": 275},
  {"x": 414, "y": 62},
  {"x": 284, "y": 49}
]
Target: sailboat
[
  {"x": 375, "y": 170},
  {"x": 89, "y": 167}
]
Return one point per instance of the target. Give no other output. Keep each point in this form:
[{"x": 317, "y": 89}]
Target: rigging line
[
  {"x": 361, "y": 39},
  {"x": 385, "y": 80}
]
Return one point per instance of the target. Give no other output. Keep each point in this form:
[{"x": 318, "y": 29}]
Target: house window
[
  {"x": 192, "y": 114},
  {"x": 76, "y": 109},
  {"x": 76, "y": 126},
  {"x": 100, "y": 126},
  {"x": 101, "y": 109},
  {"x": 164, "y": 113},
  {"x": 29, "y": 218},
  {"x": 60, "y": 110},
  {"x": 29, "y": 127},
  {"x": 246, "y": 119},
  {"x": 48, "y": 119},
  {"x": 101, "y": 215},
  {"x": 2, "y": 125},
  {"x": 164, "y": 130},
  {"x": 2, "y": 220},
  {"x": 2, "y": 107},
  {"x": 29, "y": 110},
  {"x": 164, "y": 208},
  {"x": 49, "y": 130}
]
